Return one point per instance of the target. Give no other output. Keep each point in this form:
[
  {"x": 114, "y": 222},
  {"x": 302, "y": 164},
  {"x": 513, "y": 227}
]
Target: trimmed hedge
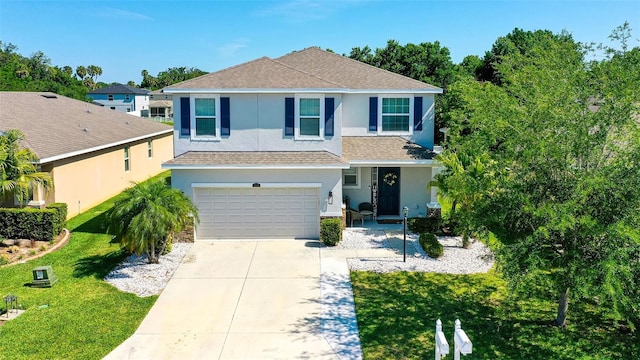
[
  {"x": 421, "y": 225},
  {"x": 60, "y": 221},
  {"x": 35, "y": 224},
  {"x": 431, "y": 245},
  {"x": 331, "y": 231}
]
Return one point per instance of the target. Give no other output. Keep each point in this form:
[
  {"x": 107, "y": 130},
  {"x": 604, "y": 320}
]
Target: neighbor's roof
[
  {"x": 120, "y": 89},
  {"x": 256, "y": 160},
  {"x": 311, "y": 68},
  {"x": 384, "y": 149},
  {"x": 57, "y": 127}
]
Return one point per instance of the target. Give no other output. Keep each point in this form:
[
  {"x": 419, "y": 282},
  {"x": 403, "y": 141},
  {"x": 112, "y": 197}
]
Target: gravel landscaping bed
[
  {"x": 135, "y": 274},
  {"x": 455, "y": 260}
]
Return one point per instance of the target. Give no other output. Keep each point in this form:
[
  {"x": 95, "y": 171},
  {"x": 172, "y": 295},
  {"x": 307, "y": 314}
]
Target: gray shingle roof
[
  {"x": 311, "y": 68},
  {"x": 239, "y": 159},
  {"x": 263, "y": 73},
  {"x": 382, "y": 148},
  {"x": 349, "y": 73},
  {"x": 57, "y": 126},
  {"x": 120, "y": 89}
]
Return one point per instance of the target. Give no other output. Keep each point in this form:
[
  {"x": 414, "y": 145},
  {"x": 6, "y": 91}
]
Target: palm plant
[
  {"x": 18, "y": 170},
  {"x": 147, "y": 215}
]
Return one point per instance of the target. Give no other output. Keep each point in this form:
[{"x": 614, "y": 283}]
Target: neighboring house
[
  {"x": 122, "y": 98},
  {"x": 92, "y": 153},
  {"x": 269, "y": 147},
  {"x": 160, "y": 106}
]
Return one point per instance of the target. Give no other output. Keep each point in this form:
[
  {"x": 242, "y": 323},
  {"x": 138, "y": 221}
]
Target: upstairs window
[
  {"x": 126, "y": 97},
  {"x": 110, "y": 97},
  {"x": 205, "y": 117},
  {"x": 309, "y": 117},
  {"x": 395, "y": 114}
]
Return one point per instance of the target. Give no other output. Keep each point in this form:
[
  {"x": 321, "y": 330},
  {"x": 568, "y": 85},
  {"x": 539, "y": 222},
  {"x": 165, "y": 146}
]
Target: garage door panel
[{"x": 246, "y": 213}]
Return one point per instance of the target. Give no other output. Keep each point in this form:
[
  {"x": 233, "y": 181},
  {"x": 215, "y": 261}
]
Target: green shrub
[
  {"x": 421, "y": 225},
  {"x": 331, "y": 231},
  {"x": 431, "y": 245},
  {"x": 4, "y": 259},
  {"x": 28, "y": 223},
  {"x": 60, "y": 219}
]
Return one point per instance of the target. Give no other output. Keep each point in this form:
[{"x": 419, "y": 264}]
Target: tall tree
[
  {"x": 147, "y": 215},
  {"x": 19, "y": 173},
  {"x": 563, "y": 140}
]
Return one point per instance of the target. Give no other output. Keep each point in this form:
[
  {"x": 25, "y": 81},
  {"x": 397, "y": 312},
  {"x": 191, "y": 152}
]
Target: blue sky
[{"x": 125, "y": 37}]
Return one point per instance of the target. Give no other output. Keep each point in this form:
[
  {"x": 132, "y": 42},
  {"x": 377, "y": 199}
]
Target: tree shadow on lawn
[
  {"x": 397, "y": 314},
  {"x": 98, "y": 266},
  {"x": 96, "y": 224}
]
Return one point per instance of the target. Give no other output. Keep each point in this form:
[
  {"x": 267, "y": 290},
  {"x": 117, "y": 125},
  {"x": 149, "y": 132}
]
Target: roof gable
[
  {"x": 56, "y": 126},
  {"x": 311, "y": 68},
  {"x": 350, "y": 73},
  {"x": 262, "y": 73}
]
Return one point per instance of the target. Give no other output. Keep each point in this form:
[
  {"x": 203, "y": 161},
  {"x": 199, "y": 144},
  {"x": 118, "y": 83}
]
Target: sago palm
[
  {"x": 18, "y": 170},
  {"x": 147, "y": 215}
]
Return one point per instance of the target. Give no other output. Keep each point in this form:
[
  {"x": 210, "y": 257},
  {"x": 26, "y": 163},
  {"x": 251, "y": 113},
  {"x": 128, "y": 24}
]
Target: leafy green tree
[
  {"x": 562, "y": 141},
  {"x": 18, "y": 170},
  {"x": 147, "y": 215},
  {"x": 19, "y": 73},
  {"x": 517, "y": 42},
  {"x": 170, "y": 76}
]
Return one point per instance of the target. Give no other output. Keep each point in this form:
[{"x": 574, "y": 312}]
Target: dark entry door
[{"x": 389, "y": 191}]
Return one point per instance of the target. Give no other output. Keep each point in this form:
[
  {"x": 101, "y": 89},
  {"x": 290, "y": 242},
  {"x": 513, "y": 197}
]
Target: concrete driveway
[{"x": 251, "y": 300}]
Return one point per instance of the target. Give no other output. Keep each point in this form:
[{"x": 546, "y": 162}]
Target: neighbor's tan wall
[{"x": 85, "y": 181}]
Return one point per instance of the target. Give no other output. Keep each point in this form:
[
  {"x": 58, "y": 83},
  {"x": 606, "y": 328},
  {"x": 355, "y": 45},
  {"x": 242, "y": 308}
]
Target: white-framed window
[
  {"x": 395, "y": 114},
  {"x": 157, "y": 112},
  {"x": 351, "y": 178},
  {"x": 110, "y": 97},
  {"x": 126, "y": 97},
  {"x": 150, "y": 148},
  {"x": 127, "y": 159},
  {"x": 309, "y": 110},
  {"x": 205, "y": 117}
]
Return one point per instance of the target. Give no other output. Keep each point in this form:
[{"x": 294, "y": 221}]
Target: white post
[
  {"x": 462, "y": 344},
  {"x": 442, "y": 346}
]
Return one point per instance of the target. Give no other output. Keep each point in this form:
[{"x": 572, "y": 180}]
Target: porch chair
[
  {"x": 355, "y": 215},
  {"x": 366, "y": 209}
]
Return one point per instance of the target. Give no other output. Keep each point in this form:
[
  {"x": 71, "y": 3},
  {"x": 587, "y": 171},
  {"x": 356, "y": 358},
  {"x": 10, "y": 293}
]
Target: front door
[{"x": 388, "y": 191}]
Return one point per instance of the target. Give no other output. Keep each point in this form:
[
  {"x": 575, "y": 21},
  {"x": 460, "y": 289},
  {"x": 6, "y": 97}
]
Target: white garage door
[{"x": 257, "y": 213}]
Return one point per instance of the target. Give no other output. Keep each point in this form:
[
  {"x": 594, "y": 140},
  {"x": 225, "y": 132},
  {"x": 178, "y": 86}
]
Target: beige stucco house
[{"x": 92, "y": 152}]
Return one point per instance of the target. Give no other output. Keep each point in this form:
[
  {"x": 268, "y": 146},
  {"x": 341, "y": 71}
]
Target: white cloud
[
  {"x": 230, "y": 49},
  {"x": 305, "y": 10},
  {"x": 122, "y": 14}
]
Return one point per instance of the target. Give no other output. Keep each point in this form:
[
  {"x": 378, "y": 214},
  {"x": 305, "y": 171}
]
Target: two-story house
[
  {"x": 160, "y": 106},
  {"x": 122, "y": 98},
  {"x": 269, "y": 147}
]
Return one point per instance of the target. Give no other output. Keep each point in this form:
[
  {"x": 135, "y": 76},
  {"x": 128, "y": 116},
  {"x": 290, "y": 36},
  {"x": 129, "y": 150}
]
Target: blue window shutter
[
  {"x": 225, "y": 117},
  {"x": 289, "y": 117},
  {"x": 417, "y": 113},
  {"x": 185, "y": 116},
  {"x": 328, "y": 116},
  {"x": 373, "y": 113}
]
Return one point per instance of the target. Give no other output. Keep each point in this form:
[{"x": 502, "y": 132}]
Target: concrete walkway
[{"x": 251, "y": 300}]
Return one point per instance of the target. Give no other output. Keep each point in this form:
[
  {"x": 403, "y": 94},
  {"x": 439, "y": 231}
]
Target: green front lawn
[
  {"x": 86, "y": 318},
  {"x": 397, "y": 314}
]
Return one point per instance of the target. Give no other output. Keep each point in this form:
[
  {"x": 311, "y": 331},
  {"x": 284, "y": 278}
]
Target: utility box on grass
[{"x": 43, "y": 276}]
